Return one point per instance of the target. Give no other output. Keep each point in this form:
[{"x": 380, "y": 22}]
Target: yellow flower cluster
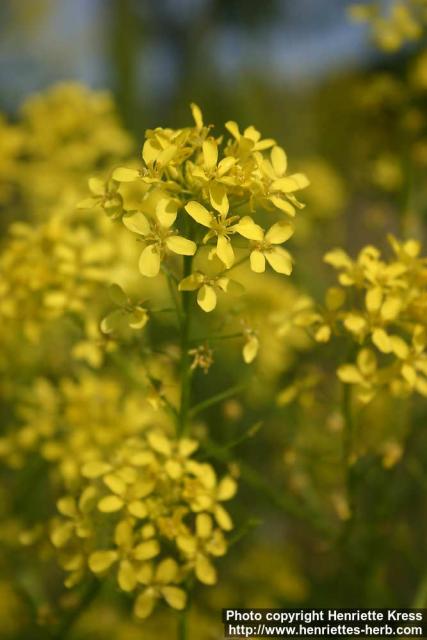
[
  {"x": 403, "y": 22},
  {"x": 381, "y": 305},
  {"x": 75, "y": 422},
  {"x": 193, "y": 189},
  {"x": 63, "y": 135},
  {"x": 151, "y": 514},
  {"x": 49, "y": 269}
]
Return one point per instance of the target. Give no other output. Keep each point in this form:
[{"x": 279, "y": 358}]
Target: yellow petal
[
  {"x": 101, "y": 560},
  {"x": 391, "y": 308},
  {"x": 233, "y": 128},
  {"x": 199, "y": 213},
  {"x": 250, "y": 350},
  {"x": 248, "y": 229},
  {"x": 122, "y": 174},
  {"x": 257, "y": 261},
  {"x": 279, "y": 161},
  {"x": 210, "y": 153},
  {"x": 323, "y": 333},
  {"x": 97, "y": 186},
  {"x": 204, "y": 525},
  {"x": 279, "y": 232},
  {"x": 174, "y": 469},
  {"x": 67, "y": 506},
  {"x": 350, "y": 374},
  {"x": 280, "y": 260},
  {"x": 166, "y": 211},
  {"x": 409, "y": 374},
  {"x": 227, "y": 488},
  {"x": 123, "y": 534},
  {"x": 373, "y": 300},
  {"x": 115, "y": 484},
  {"x": 288, "y": 184},
  {"x": 137, "y": 223},
  {"x": 147, "y": 550},
  {"x": 61, "y": 534},
  {"x": 283, "y": 205},
  {"x": 204, "y": 570},
  {"x": 126, "y": 576},
  {"x": 166, "y": 571},
  {"x": 110, "y": 504},
  {"x": 175, "y": 597},
  {"x": 149, "y": 262},
  {"x": 366, "y": 361},
  {"x": 166, "y": 155},
  {"x": 224, "y": 251},
  {"x": 137, "y": 509},
  {"x": 381, "y": 340},
  {"x": 159, "y": 443},
  {"x": 354, "y": 323},
  {"x": 206, "y": 298},
  {"x": 197, "y": 115},
  {"x": 150, "y": 151},
  {"x": 223, "y": 518},
  {"x": 95, "y": 469},
  {"x": 191, "y": 283},
  {"x": 181, "y": 245},
  {"x": 399, "y": 347},
  {"x": 144, "y": 603},
  {"x": 218, "y": 197}
]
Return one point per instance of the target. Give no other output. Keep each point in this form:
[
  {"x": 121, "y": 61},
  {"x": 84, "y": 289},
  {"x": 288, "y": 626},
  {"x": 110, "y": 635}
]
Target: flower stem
[
  {"x": 183, "y": 625},
  {"x": 219, "y": 397},
  {"x": 185, "y": 371}
]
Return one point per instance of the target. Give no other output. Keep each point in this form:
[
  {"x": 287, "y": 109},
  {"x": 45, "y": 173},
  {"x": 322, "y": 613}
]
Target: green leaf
[{"x": 117, "y": 295}]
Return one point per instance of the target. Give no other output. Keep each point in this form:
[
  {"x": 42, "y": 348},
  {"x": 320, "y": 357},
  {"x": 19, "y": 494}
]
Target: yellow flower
[
  {"x": 105, "y": 195},
  {"x": 206, "y": 287},
  {"x": 159, "y": 583},
  {"x": 364, "y": 374},
  {"x": 213, "y": 176},
  {"x": 158, "y": 240},
  {"x": 219, "y": 226},
  {"x": 275, "y": 186},
  {"x": 197, "y": 548},
  {"x": 264, "y": 246}
]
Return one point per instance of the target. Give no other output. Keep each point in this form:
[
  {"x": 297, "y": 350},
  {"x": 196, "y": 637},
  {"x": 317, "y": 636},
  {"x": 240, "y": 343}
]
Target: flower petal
[
  {"x": 280, "y": 260},
  {"x": 279, "y": 161},
  {"x": 279, "y": 232},
  {"x": 137, "y": 223},
  {"x": 149, "y": 262},
  {"x": 199, "y": 213},
  {"x": 181, "y": 245},
  {"x": 210, "y": 153},
  {"x": 247, "y": 228},
  {"x": 218, "y": 197},
  {"x": 206, "y": 298},
  {"x": 257, "y": 261},
  {"x": 224, "y": 251},
  {"x": 100, "y": 561}
]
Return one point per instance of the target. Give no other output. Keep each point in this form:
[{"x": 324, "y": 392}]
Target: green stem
[
  {"x": 185, "y": 357},
  {"x": 219, "y": 397},
  {"x": 183, "y": 625}
]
